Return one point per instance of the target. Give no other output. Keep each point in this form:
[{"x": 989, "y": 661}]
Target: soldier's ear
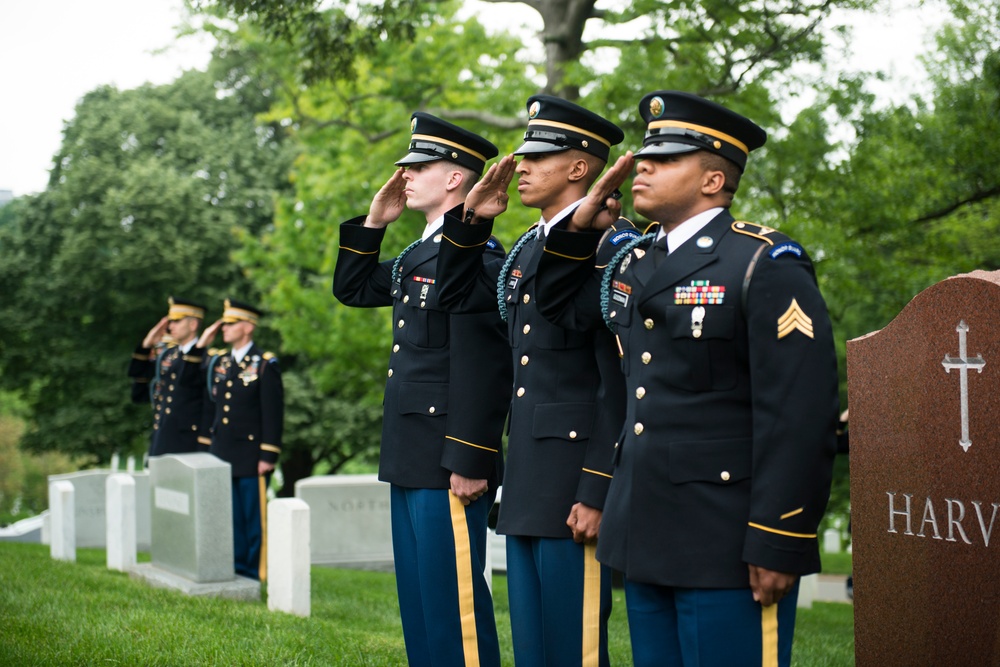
[
  {"x": 713, "y": 182},
  {"x": 579, "y": 169}
]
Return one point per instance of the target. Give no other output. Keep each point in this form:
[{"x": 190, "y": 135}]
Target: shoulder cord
[
  {"x": 509, "y": 262},
  {"x": 156, "y": 374},
  {"x": 749, "y": 276},
  {"x": 610, "y": 271},
  {"x": 397, "y": 266},
  {"x": 212, "y": 360}
]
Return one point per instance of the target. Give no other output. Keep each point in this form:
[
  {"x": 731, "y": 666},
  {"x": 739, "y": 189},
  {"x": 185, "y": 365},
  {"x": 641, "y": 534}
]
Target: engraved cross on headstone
[{"x": 963, "y": 364}]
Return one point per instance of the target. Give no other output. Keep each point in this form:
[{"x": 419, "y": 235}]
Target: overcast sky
[{"x": 52, "y": 52}]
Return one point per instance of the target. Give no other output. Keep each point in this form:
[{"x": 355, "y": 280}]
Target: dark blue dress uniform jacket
[
  {"x": 565, "y": 413},
  {"x": 177, "y": 393},
  {"x": 448, "y": 384},
  {"x": 246, "y": 425},
  {"x": 726, "y": 453}
]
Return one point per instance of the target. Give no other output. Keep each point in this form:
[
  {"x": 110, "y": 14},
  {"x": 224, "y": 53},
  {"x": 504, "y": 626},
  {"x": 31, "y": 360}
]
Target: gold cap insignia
[
  {"x": 534, "y": 109},
  {"x": 656, "y": 107}
]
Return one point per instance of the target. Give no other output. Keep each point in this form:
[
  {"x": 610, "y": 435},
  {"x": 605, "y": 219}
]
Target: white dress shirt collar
[
  {"x": 682, "y": 232},
  {"x": 545, "y": 226},
  {"x": 242, "y": 352},
  {"x": 432, "y": 227}
]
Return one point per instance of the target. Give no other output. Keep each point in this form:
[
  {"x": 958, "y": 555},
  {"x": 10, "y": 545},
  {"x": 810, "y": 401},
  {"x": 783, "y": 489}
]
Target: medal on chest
[{"x": 249, "y": 372}]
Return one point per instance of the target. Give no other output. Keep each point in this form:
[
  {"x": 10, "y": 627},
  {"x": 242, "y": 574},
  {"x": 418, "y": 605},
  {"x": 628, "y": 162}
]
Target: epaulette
[
  {"x": 268, "y": 356},
  {"x": 757, "y": 231},
  {"x": 214, "y": 351}
]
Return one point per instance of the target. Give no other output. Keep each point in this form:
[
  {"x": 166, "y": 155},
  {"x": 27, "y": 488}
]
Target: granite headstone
[
  {"x": 924, "y": 395},
  {"x": 192, "y": 528},
  {"x": 349, "y": 520},
  {"x": 143, "y": 510},
  {"x": 192, "y": 516}
]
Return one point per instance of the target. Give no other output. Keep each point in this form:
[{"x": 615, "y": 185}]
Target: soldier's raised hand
[
  {"x": 389, "y": 202},
  {"x": 600, "y": 209},
  {"x": 156, "y": 334},
  {"x": 208, "y": 335},
  {"x": 488, "y": 198}
]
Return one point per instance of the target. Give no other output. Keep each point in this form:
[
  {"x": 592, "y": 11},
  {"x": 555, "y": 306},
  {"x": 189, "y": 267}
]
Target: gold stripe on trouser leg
[
  {"x": 769, "y": 636},
  {"x": 463, "y": 568},
  {"x": 262, "y": 490},
  {"x": 591, "y": 607}
]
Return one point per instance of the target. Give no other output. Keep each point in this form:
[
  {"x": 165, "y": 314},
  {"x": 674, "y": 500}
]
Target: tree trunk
[
  {"x": 562, "y": 34},
  {"x": 298, "y": 465}
]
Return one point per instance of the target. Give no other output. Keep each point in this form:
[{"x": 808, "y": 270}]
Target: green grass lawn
[
  {"x": 836, "y": 563},
  {"x": 56, "y": 613}
]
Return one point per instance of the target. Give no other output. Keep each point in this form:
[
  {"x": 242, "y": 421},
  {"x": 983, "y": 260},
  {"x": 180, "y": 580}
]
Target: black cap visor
[
  {"x": 666, "y": 148},
  {"x": 530, "y": 147},
  {"x": 418, "y": 158}
]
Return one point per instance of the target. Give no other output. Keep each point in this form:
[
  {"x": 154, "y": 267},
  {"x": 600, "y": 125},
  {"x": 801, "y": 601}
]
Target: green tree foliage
[
  {"x": 351, "y": 120},
  {"x": 350, "y": 132},
  {"x": 11, "y": 467},
  {"x": 148, "y": 192},
  {"x": 24, "y": 476},
  {"x": 910, "y": 197},
  {"x": 904, "y": 201},
  {"x": 324, "y": 42},
  {"x": 719, "y": 45}
]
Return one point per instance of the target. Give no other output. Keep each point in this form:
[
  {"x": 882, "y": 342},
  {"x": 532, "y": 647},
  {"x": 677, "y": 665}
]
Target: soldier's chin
[{"x": 642, "y": 208}]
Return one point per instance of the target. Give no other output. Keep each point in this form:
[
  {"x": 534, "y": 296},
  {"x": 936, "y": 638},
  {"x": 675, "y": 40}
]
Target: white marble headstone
[
  {"x": 121, "y": 552},
  {"x": 88, "y": 496},
  {"x": 288, "y": 575},
  {"x": 61, "y": 508}
]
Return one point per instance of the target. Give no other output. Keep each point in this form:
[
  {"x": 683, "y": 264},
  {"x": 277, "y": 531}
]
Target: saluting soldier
[
  {"x": 446, "y": 399},
  {"x": 568, "y": 393},
  {"x": 177, "y": 395},
  {"x": 246, "y": 427},
  {"x": 724, "y": 465}
]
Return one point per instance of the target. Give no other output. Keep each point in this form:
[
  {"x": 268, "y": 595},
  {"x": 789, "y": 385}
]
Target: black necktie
[{"x": 660, "y": 251}]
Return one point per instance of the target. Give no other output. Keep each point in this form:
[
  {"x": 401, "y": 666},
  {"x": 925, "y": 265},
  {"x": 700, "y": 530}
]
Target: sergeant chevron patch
[{"x": 794, "y": 319}]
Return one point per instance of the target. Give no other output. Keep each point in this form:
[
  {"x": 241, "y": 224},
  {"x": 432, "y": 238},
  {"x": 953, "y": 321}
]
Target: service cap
[
  {"x": 678, "y": 122},
  {"x": 555, "y": 125},
  {"x": 181, "y": 308},
  {"x": 238, "y": 311},
  {"x": 434, "y": 139}
]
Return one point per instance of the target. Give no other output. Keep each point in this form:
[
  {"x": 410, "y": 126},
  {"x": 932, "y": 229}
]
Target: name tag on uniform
[{"x": 620, "y": 292}]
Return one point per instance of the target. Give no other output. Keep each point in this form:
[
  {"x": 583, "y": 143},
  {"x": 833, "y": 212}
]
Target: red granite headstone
[{"x": 924, "y": 398}]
